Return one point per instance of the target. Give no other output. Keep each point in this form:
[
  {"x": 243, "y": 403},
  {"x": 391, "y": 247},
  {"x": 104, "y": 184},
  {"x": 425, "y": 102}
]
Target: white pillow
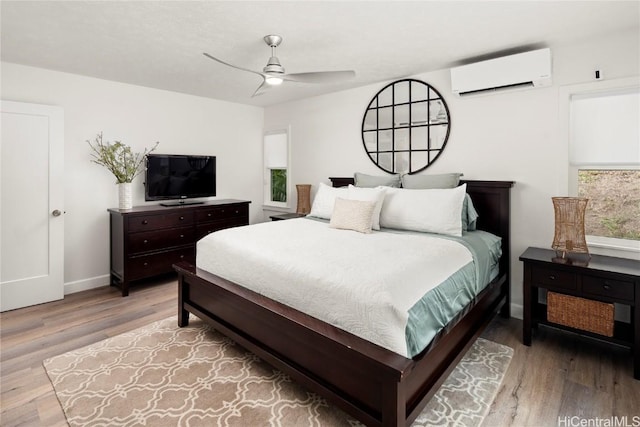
[
  {"x": 369, "y": 195},
  {"x": 324, "y": 200},
  {"x": 353, "y": 215},
  {"x": 433, "y": 210}
]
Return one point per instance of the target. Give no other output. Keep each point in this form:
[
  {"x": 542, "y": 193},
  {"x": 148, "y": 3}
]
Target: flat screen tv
[{"x": 179, "y": 177}]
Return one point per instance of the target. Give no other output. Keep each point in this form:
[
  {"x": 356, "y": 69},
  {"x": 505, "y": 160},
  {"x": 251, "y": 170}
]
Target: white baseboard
[
  {"x": 517, "y": 311},
  {"x": 84, "y": 284}
]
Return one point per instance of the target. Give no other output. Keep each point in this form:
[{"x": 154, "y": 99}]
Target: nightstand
[
  {"x": 284, "y": 216},
  {"x": 604, "y": 279}
]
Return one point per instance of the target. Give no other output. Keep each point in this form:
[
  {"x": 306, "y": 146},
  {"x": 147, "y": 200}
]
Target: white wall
[
  {"x": 507, "y": 136},
  {"x": 510, "y": 136},
  {"x": 138, "y": 116}
]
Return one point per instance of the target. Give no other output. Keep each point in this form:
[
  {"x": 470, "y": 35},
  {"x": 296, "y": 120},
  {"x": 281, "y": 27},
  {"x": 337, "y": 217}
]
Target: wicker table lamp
[
  {"x": 304, "y": 199},
  {"x": 569, "y": 235}
]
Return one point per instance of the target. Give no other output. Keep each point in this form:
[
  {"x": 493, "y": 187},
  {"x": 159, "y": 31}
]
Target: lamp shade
[
  {"x": 304, "y": 198},
  {"x": 569, "y": 235}
]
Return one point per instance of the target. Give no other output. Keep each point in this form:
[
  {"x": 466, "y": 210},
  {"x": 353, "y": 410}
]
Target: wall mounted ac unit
[{"x": 528, "y": 69}]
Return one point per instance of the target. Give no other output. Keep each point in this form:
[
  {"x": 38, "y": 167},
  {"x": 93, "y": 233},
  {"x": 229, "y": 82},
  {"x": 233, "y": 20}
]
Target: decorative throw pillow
[
  {"x": 353, "y": 215},
  {"x": 372, "y": 181},
  {"x": 432, "y": 210},
  {"x": 369, "y": 195},
  {"x": 444, "y": 180},
  {"x": 324, "y": 200}
]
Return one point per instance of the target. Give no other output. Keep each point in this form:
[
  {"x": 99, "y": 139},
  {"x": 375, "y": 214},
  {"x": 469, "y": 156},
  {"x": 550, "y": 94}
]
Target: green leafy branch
[
  {"x": 279, "y": 185},
  {"x": 118, "y": 158}
]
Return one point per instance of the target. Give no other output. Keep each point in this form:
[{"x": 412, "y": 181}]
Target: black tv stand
[{"x": 181, "y": 203}]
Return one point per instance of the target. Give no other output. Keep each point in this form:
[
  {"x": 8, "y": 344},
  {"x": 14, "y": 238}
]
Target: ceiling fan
[{"x": 273, "y": 73}]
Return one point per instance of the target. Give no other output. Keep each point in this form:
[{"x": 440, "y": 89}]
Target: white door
[{"x": 31, "y": 204}]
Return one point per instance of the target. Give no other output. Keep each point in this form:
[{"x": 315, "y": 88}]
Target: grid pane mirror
[{"x": 406, "y": 126}]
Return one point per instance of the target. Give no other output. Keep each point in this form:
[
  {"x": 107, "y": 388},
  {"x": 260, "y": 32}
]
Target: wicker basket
[{"x": 580, "y": 313}]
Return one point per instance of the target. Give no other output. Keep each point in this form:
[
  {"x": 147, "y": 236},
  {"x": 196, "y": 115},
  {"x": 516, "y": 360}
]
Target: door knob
[{"x": 56, "y": 213}]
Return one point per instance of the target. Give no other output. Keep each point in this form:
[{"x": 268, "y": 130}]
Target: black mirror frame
[{"x": 409, "y": 126}]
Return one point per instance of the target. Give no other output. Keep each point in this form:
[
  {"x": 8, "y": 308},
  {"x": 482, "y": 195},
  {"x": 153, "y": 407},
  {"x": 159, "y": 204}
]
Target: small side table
[
  {"x": 283, "y": 216},
  {"x": 604, "y": 278}
]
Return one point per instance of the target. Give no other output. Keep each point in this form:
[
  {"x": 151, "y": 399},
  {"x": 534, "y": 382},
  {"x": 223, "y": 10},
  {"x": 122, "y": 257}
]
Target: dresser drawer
[
  {"x": 207, "y": 228},
  {"x": 150, "y": 265},
  {"x": 222, "y": 212},
  {"x": 155, "y": 222},
  {"x": 146, "y": 241},
  {"x": 551, "y": 278},
  {"x": 614, "y": 289}
]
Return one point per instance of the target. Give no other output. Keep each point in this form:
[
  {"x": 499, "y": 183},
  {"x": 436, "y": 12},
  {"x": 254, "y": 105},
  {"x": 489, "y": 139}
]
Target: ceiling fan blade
[
  {"x": 261, "y": 89},
  {"x": 320, "y": 77},
  {"x": 230, "y": 65}
]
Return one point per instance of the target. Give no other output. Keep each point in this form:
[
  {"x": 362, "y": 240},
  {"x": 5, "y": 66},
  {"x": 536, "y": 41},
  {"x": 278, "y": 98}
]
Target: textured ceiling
[{"x": 160, "y": 43}]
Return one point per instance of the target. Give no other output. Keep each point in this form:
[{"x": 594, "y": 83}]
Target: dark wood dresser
[
  {"x": 603, "y": 278},
  {"x": 148, "y": 240}
]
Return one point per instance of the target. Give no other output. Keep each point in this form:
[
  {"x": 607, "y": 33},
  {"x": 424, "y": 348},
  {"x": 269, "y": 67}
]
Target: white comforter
[{"x": 362, "y": 283}]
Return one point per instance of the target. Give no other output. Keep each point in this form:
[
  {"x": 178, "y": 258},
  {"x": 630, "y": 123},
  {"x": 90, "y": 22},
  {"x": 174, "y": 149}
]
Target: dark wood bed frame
[{"x": 374, "y": 385}]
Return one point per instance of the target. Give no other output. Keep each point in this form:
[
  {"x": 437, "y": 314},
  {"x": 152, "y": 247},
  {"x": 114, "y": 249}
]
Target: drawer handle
[
  {"x": 145, "y": 264},
  {"x": 209, "y": 215},
  {"x": 181, "y": 236},
  {"x": 181, "y": 218},
  {"x": 145, "y": 222},
  {"x": 181, "y": 256},
  {"x": 237, "y": 212},
  {"x": 145, "y": 241},
  {"x": 552, "y": 277},
  {"x": 606, "y": 286},
  {"x": 222, "y": 211}
]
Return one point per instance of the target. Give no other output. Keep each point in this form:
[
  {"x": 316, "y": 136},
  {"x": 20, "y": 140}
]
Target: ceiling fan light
[{"x": 273, "y": 80}]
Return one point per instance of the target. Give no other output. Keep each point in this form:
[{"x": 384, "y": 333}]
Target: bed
[{"x": 375, "y": 385}]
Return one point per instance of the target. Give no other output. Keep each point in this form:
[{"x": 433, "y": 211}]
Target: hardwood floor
[
  {"x": 33, "y": 334},
  {"x": 560, "y": 375}
]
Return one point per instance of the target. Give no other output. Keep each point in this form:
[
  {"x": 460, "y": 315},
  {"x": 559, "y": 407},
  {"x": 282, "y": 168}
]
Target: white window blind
[
  {"x": 277, "y": 187},
  {"x": 605, "y": 129},
  {"x": 275, "y": 151}
]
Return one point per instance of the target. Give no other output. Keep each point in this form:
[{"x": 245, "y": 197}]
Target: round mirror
[{"x": 406, "y": 126}]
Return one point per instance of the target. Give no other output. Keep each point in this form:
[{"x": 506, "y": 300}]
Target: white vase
[{"x": 125, "y": 200}]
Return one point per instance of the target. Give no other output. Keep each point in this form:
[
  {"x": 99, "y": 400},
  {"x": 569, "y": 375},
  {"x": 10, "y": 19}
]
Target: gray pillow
[
  {"x": 364, "y": 180},
  {"x": 469, "y": 214},
  {"x": 444, "y": 180}
]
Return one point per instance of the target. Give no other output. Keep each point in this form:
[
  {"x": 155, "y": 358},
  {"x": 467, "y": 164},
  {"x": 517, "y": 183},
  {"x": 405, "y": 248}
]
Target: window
[
  {"x": 604, "y": 157},
  {"x": 614, "y": 202},
  {"x": 279, "y": 185},
  {"x": 276, "y": 169}
]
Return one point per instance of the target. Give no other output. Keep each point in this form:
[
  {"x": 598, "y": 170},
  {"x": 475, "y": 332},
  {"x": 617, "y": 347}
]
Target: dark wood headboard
[{"x": 492, "y": 201}]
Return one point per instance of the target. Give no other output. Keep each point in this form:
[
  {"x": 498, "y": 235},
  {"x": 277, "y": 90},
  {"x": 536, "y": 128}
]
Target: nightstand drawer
[
  {"x": 551, "y": 278},
  {"x": 614, "y": 289}
]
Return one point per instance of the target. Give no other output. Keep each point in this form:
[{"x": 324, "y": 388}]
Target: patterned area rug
[{"x": 162, "y": 375}]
